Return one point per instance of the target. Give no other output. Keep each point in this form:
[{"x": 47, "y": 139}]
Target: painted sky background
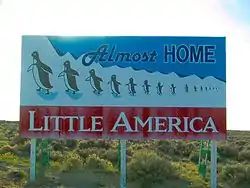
[
  {"x": 228, "y": 18},
  {"x": 77, "y": 46}
]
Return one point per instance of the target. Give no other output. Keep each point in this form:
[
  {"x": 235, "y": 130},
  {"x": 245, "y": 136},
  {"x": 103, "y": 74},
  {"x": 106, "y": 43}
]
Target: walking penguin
[
  {"x": 173, "y": 89},
  {"x": 186, "y": 88},
  {"x": 114, "y": 85},
  {"x": 40, "y": 73},
  {"x": 159, "y": 88},
  {"x": 69, "y": 75},
  {"x": 95, "y": 82},
  {"x": 146, "y": 87},
  {"x": 131, "y": 86}
]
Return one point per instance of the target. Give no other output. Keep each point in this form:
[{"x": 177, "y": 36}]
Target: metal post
[
  {"x": 119, "y": 155},
  {"x": 33, "y": 160},
  {"x": 123, "y": 164},
  {"x": 214, "y": 164}
]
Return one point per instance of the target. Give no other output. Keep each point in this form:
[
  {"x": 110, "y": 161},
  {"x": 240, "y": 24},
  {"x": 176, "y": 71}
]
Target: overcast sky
[{"x": 230, "y": 18}]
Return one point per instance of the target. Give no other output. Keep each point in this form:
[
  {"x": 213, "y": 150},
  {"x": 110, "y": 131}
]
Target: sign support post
[
  {"x": 123, "y": 163},
  {"x": 33, "y": 160},
  {"x": 214, "y": 164}
]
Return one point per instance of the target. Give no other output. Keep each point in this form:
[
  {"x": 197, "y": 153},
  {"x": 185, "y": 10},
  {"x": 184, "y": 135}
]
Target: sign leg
[
  {"x": 214, "y": 164},
  {"x": 123, "y": 163},
  {"x": 33, "y": 160}
]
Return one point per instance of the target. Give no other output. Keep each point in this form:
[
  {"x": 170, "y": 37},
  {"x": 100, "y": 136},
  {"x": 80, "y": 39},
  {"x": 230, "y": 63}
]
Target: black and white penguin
[
  {"x": 159, "y": 88},
  {"x": 95, "y": 81},
  {"x": 131, "y": 86},
  {"x": 114, "y": 85},
  {"x": 40, "y": 73},
  {"x": 146, "y": 87},
  {"x": 69, "y": 76}
]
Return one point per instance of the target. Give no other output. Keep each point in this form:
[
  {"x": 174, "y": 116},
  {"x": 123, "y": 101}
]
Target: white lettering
[
  {"x": 32, "y": 122},
  {"x": 143, "y": 124},
  {"x": 151, "y": 124},
  {"x": 57, "y": 122},
  {"x": 210, "y": 125},
  {"x": 46, "y": 123},
  {"x": 94, "y": 123},
  {"x": 158, "y": 124},
  {"x": 71, "y": 122},
  {"x": 185, "y": 124},
  {"x": 82, "y": 124},
  {"x": 125, "y": 123},
  {"x": 175, "y": 125},
  {"x": 191, "y": 124}
]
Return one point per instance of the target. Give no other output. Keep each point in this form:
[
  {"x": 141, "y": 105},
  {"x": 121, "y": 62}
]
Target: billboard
[{"x": 123, "y": 87}]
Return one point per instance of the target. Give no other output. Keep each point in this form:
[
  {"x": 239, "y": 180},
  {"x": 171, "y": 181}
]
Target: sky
[{"x": 230, "y": 18}]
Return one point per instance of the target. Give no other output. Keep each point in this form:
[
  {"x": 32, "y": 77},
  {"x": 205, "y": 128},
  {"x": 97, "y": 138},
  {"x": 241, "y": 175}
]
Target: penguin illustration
[
  {"x": 69, "y": 75},
  {"x": 95, "y": 81},
  {"x": 159, "y": 88},
  {"x": 146, "y": 87},
  {"x": 131, "y": 86},
  {"x": 40, "y": 73},
  {"x": 186, "y": 88},
  {"x": 195, "y": 88},
  {"x": 114, "y": 85},
  {"x": 173, "y": 89}
]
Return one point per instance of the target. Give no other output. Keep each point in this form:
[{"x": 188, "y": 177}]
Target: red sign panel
[{"x": 123, "y": 122}]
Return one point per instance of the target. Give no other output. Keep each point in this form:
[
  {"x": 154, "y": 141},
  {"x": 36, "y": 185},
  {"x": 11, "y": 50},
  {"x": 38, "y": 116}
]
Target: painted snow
[{"x": 213, "y": 93}]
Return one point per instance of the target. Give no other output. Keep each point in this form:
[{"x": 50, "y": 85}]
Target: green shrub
[
  {"x": 7, "y": 149},
  {"x": 148, "y": 168},
  {"x": 17, "y": 175},
  {"x": 84, "y": 153},
  {"x": 56, "y": 156},
  {"x": 244, "y": 155},
  {"x": 58, "y": 145},
  {"x": 229, "y": 151},
  {"x": 95, "y": 162},
  {"x": 3, "y": 143},
  {"x": 194, "y": 157},
  {"x": 110, "y": 155},
  {"x": 71, "y": 144},
  {"x": 56, "y": 165},
  {"x": 237, "y": 174},
  {"x": 72, "y": 161}
]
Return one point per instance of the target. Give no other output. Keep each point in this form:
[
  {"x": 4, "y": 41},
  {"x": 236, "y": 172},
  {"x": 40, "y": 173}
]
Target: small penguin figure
[
  {"x": 173, "y": 89},
  {"x": 195, "y": 88},
  {"x": 40, "y": 73},
  {"x": 146, "y": 87},
  {"x": 95, "y": 82},
  {"x": 186, "y": 88},
  {"x": 69, "y": 75},
  {"x": 159, "y": 88},
  {"x": 114, "y": 85},
  {"x": 131, "y": 86},
  {"x": 201, "y": 88}
]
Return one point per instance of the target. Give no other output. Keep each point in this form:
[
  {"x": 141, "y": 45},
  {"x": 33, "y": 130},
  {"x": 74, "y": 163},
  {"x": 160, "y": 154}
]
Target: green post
[
  {"x": 203, "y": 157},
  {"x": 44, "y": 157}
]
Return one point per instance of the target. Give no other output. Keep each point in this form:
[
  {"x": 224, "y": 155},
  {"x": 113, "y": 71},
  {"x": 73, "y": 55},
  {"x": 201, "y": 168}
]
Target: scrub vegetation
[{"x": 94, "y": 163}]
